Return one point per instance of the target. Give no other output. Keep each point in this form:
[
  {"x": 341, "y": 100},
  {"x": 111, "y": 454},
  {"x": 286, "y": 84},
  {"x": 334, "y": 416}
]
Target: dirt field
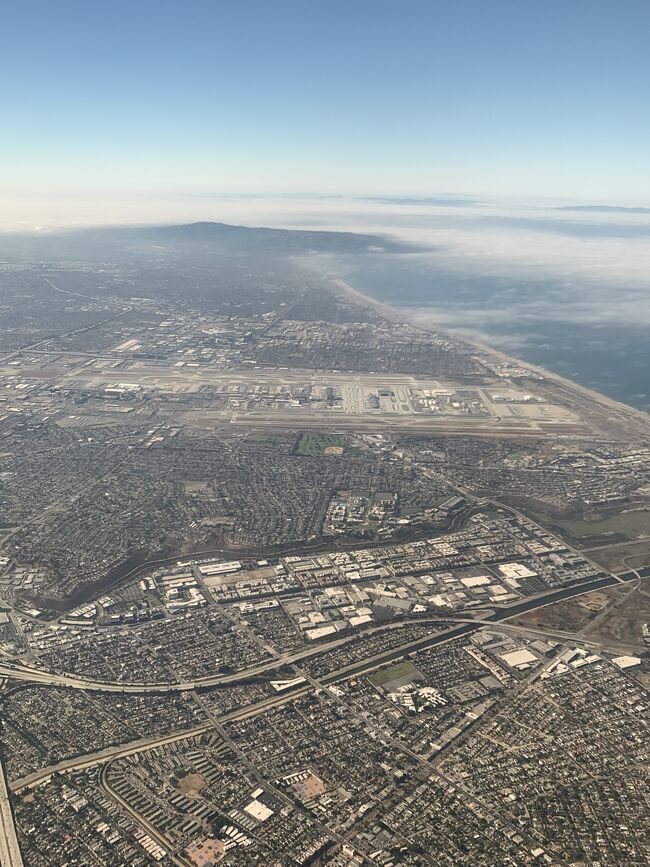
[
  {"x": 624, "y": 622},
  {"x": 570, "y": 615},
  {"x": 620, "y": 558},
  {"x": 191, "y": 784},
  {"x": 631, "y": 524}
]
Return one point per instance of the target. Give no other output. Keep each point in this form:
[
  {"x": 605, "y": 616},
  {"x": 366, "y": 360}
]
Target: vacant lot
[
  {"x": 633, "y": 525},
  {"x": 191, "y": 784},
  {"x": 621, "y": 558},
  {"x": 570, "y": 615},
  {"x": 624, "y": 621}
]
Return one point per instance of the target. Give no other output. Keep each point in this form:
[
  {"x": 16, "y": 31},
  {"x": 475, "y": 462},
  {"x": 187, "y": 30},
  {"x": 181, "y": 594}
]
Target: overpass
[{"x": 465, "y": 625}]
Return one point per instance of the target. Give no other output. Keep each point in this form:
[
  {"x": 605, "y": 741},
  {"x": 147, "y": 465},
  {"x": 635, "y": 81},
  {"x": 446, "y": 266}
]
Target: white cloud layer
[{"x": 593, "y": 266}]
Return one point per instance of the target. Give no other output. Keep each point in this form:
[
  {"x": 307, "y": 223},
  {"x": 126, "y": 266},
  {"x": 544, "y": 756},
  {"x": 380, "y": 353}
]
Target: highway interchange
[
  {"x": 16, "y": 674},
  {"x": 497, "y": 614},
  {"x": 9, "y": 849},
  {"x": 461, "y": 626}
]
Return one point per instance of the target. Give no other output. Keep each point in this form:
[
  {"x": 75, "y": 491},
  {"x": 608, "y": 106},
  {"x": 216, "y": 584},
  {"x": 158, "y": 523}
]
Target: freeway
[
  {"x": 90, "y": 760},
  {"x": 464, "y": 627},
  {"x": 38, "y": 676},
  {"x": 9, "y": 849},
  {"x": 120, "y": 751}
]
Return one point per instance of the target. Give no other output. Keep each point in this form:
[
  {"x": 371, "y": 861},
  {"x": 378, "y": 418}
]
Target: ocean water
[
  {"x": 589, "y": 334},
  {"x": 558, "y": 284}
]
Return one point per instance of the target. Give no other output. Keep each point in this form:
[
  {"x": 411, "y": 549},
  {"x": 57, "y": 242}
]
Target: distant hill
[
  {"x": 266, "y": 239},
  {"x": 206, "y": 237}
]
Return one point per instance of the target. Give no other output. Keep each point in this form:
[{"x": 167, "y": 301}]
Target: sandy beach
[{"x": 397, "y": 314}]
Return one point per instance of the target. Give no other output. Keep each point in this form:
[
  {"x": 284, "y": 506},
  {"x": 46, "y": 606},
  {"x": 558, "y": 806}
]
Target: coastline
[{"x": 398, "y": 314}]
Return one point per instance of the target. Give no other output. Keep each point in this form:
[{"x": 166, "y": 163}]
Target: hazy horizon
[
  {"x": 567, "y": 289},
  {"x": 505, "y": 139}
]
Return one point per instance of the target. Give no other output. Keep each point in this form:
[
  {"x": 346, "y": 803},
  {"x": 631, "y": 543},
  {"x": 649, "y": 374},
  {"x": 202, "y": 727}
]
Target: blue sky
[{"x": 486, "y": 97}]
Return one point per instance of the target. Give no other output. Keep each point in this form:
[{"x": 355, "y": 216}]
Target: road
[
  {"x": 464, "y": 627},
  {"x": 9, "y": 849},
  {"x": 90, "y": 760},
  {"x": 144, "y": 824},
  {"x": 34, "y": 675}
]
